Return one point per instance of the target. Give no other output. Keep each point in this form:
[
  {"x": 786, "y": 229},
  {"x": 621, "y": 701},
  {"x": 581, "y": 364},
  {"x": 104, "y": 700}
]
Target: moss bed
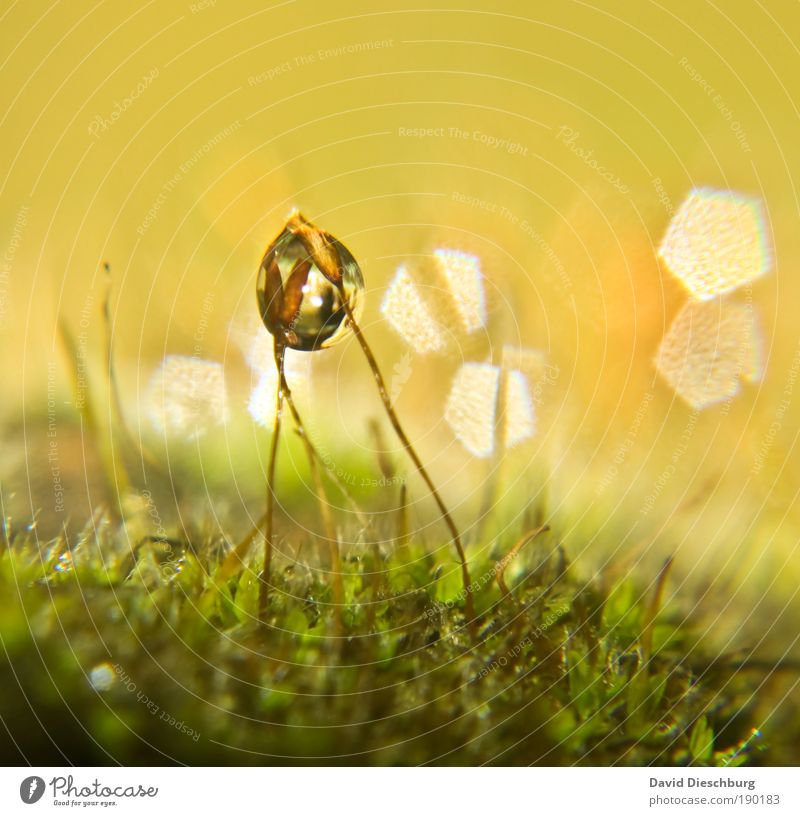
[{"x": 132, "y": 651}]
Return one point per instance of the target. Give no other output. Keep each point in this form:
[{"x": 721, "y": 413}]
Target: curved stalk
[{"x": 469, "y": 607}]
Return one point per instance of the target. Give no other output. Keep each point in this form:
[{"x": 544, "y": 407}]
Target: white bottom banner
[{"x": 402, "y": 791}]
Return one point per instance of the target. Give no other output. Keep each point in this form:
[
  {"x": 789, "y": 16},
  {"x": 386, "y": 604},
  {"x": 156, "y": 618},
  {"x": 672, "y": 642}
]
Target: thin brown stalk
[
  {"x": 263, "y": 592},
  {"x": 335, "y": 557},
  {"x": 385, "y": 464},
  {"x": 334, "y": 479},
  {"x": 652, "y": 610},
  {"x": 116, "y": 476},
  {"x": 503, "y": 563},
  {"x": 469, "y": 606},
  {"x": 116, "y": 402},
  {"x": 377, "y": 577},
  {"x": 495, "y": 462},
  {"x": 235, "y": 559},
  {"x": 119, "y": 424},
  {"x": 402, "y": 538}
]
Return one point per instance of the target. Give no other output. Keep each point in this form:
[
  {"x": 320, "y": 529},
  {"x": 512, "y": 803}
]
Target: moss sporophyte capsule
[
  {"x": 310, "y": 295},
  {"x": 304, "y": 279}
]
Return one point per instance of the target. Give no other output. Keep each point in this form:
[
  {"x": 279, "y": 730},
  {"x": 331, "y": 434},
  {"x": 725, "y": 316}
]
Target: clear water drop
[{"x": 304, "y": 277}]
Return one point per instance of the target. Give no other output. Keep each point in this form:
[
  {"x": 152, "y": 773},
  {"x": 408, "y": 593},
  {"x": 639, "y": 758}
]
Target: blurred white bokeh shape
[
  {"x": 186, "y": 396},
  {"x": 461, "y": 273},
  {"x": 520, "y": 422},
  {"x": 410, "y": 316},
  {"x": 710, "y": 347},
  {"x": 471, "y": 406},
  {"x": 716, "y": 242},
  {"x": 257, "y": 347},
  {"x": 475, "y": 414}
]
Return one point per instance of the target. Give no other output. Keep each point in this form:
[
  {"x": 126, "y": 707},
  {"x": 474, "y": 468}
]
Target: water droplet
[
  {"x": 301, "y": 283},
  {"x": 102, "y": 677},
  {"x": 64, "y": 563}
]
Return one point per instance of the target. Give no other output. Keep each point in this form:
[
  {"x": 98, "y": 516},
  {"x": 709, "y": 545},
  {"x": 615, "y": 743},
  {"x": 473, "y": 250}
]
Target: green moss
[{"x": 183, "y": 673}]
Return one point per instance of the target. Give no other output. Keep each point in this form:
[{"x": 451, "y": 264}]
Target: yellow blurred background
[{"x": 171, "y": 139}]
